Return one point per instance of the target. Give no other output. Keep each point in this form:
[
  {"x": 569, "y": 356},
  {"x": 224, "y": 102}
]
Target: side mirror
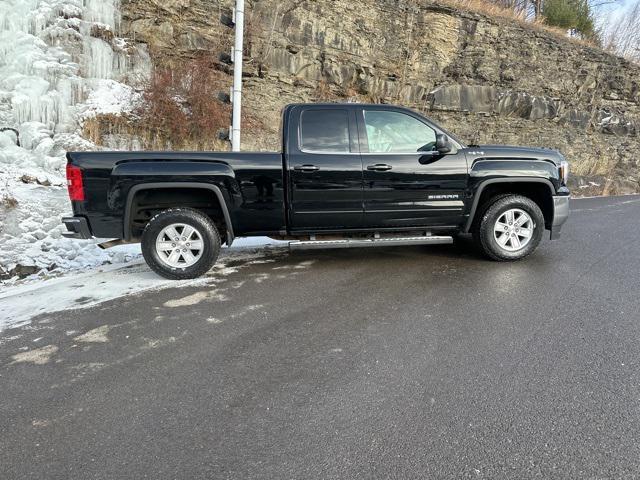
[
  {"x": 443, "y": 144},
  {"x": 442, "y": 147}
]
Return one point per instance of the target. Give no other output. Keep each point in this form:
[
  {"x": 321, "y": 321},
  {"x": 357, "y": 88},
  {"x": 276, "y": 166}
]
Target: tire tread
[
  {"x": 181, "y": 215},
  {"x": 483, "y": 228}
]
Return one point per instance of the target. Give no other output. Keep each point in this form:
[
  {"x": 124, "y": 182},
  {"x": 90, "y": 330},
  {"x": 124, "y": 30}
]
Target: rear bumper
[
  {"x": 560, "y": 215},
  {"x": 77, "y": 227}
]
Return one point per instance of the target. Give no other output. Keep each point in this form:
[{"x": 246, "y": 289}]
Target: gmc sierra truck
[{"x": 348, "y": 175}]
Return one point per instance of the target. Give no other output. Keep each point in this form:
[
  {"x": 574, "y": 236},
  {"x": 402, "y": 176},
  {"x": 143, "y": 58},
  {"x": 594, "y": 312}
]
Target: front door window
[{"x": 395, "y": 132}]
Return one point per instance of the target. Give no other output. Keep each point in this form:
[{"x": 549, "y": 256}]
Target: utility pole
[{"x": 236, "y": 97}]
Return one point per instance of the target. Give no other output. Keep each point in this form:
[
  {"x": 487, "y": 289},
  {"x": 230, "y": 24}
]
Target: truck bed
[{"x": 252, "y": 183}]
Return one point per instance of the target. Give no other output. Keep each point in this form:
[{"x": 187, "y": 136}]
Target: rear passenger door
[{"x": 324, "y": 169}]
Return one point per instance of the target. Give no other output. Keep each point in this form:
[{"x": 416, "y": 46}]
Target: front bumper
[
  {"x": 77, "y": 227},
  {"x": 560, "y": 214}
]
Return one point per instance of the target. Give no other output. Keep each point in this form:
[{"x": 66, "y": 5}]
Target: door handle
[
  {"x": 380, "y": 167},
  {"x": 306, "y": 168}
]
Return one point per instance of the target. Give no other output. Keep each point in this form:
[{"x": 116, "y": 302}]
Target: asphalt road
[{"x": 422, "y": 362}]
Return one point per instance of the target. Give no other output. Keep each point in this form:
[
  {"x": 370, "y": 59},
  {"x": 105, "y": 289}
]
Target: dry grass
[
  {"x": 96, "y": 128},
  {"x": 8, "y": 202},
  {"x": 103, "y": 32},
  {"x": 326, "y": 92},
  {"x": 137, "y": 135},
  {"x": 323, "y": 93},
  {"x": 491, "y": 9},
  {"x": 494, "y": 10}
]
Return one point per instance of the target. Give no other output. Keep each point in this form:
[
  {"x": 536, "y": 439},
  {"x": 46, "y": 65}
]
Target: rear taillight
[{"x": 74, "y": 183}]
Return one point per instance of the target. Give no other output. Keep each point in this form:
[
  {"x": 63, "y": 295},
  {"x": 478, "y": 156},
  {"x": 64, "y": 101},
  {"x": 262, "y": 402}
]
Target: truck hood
[{"x": 512, "y": 151}]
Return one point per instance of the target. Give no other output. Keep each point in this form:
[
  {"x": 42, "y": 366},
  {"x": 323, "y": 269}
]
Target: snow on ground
[
  {"x": 20, "y": 303},
  {"x": 108, "y": 97},
  {"x": 31, "y": 231}
]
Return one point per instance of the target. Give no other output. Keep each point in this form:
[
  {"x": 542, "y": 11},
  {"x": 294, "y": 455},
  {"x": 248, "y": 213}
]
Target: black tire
[
  {"x": 188, "y": 216},
  {"x": 483, "y": 231}
]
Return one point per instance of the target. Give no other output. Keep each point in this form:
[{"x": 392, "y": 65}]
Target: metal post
[{"x": 237, "y": 76}]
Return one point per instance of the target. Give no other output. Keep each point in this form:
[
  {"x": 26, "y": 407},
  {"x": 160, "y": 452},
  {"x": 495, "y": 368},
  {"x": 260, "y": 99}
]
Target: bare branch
[{"x": 621, "y": 33}]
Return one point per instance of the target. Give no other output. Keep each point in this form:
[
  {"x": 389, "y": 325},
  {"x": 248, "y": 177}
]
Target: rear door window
[{"x": 324, "y": 131}]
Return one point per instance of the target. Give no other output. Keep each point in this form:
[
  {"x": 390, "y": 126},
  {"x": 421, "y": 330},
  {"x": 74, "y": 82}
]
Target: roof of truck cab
[
  {"x": 346, "y": 104},
  {"x": 376, "y": 105}
]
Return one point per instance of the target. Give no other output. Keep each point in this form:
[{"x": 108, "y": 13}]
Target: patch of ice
[
  {"x": 96, "y": 335},
  {"x": 249, "y": 242},
  {"x": 189, "y": 300},
  {"x": 20, "y": 303},
  {"x": 39, "y": 356},
  {"x": 195, "y": 299}
]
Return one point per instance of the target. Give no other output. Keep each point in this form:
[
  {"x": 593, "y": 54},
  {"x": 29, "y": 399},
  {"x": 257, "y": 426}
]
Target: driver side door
[{"x": 399, "y": 191}]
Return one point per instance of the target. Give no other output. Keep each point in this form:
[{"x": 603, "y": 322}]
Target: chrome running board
[{"x": 371, "y": 242}]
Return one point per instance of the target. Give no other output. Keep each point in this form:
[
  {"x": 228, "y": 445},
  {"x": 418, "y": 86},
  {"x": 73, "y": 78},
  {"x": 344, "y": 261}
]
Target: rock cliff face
[{"x": 490, "y": 80}]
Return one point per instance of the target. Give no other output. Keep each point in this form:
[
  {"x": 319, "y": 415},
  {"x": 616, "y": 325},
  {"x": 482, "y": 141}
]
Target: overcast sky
[
  {"x": 621, "y": 6},
  {"x": 617, "y": 9}
]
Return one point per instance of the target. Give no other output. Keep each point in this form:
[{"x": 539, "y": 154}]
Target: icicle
[
  {"x": 33, "y": 101},
  {"x": 39, "y": 79},
  {"x": 106, "y": 12},
  {"x": 98, "y": 61}
]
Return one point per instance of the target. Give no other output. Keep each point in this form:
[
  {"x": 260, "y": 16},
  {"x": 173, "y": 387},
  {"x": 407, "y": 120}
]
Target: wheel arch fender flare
[
  {"x": 493, "y": 181},
  {"x": 214, "y": 189}
]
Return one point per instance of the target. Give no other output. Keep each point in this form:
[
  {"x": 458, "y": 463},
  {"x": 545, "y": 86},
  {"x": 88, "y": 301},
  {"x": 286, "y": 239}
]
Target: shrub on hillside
[
  {"x": 181, "y": 106},
  {"x": 570, "y": 14}
]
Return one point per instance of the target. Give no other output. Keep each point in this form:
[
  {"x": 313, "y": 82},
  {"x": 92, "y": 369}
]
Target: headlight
[{"x": 564, "y": 171}]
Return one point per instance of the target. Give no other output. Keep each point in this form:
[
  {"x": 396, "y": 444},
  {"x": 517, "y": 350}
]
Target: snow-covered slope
[{"x": 61, "y": 61}]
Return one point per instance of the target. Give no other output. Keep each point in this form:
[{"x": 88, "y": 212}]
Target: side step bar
[{"x": 370, "y": 242}]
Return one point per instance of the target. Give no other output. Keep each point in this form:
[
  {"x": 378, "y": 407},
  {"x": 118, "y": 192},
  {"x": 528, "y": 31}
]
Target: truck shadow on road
[{"x": 463, "y": 248}]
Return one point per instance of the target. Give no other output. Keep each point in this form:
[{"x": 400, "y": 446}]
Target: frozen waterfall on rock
[{"x": 61, "y": 62}]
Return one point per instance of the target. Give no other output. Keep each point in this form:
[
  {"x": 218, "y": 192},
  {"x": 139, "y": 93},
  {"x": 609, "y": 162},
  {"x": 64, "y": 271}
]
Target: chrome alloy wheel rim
[
  {"x": 179, "y": 245},
  {"x": 513, "y": 230}
]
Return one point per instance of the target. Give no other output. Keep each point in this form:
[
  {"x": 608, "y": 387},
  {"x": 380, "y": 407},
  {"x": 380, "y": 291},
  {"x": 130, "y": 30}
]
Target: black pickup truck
[{"x": 348, "y": 175}]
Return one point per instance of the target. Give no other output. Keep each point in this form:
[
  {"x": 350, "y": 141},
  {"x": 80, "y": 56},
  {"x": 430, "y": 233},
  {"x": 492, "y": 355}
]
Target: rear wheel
[
  {"x": 510, "y": 228},
  {"x": 180, "y": 243}
]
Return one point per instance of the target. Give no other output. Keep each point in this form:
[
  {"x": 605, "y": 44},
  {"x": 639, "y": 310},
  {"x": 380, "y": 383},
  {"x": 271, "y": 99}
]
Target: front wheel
[
  {"x": 510, "y": 228},
  {"x": 180, "y": 243}
]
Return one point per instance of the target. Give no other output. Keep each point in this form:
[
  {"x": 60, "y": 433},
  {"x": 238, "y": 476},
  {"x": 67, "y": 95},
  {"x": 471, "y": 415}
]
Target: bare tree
[
  {"x": 621, "y": 33},
  {"x": 533, "y": 8}
]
